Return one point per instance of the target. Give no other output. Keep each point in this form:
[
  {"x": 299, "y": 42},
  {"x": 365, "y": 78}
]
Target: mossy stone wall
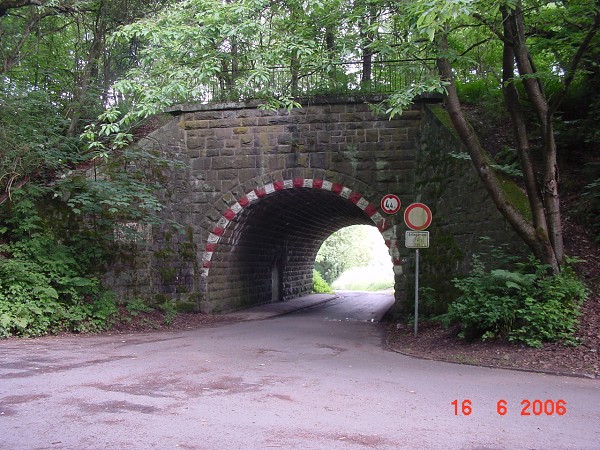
[{"x": 465, "y": 220}]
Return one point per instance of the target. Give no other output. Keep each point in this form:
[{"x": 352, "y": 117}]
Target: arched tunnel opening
[
  {"x": 267, "y": 251},
  {"x": 356, "y": 258}
]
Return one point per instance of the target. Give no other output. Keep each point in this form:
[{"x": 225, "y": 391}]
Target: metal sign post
[
  {"x": 416, "y": 291},
  {"x": 416, "y": 240},
  {"x": 417, "y": 217}
]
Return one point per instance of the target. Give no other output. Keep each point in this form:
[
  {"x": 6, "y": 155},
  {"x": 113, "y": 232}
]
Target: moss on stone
[
  {"x": 516, "y": 196},
  {"x": 167, "y": 274},
  {"x": 187, "y": 251},
  {"x": 159, "y": 299},
  {"x": 443, "y": 117},
  {"x": 186, "y": 307}
]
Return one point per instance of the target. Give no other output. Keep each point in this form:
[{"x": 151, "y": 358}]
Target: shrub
[
  {"x": 43, "y": 290},
  {"x": 137, "y": 306},
  {"x": 527, "y": 305},
  {"x": 170, "y": 312},
  {"x": 45, "y": 282},
  {"x": 320, "y": 286}
]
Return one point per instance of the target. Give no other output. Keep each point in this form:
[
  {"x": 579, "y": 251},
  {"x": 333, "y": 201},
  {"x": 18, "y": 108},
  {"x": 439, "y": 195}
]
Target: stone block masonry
[{"x": 261, "y": 190}]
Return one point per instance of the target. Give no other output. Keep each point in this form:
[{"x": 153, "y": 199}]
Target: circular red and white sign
[
  {"x": 417, "y": 216},
  {"x": 390, "y": 204}
]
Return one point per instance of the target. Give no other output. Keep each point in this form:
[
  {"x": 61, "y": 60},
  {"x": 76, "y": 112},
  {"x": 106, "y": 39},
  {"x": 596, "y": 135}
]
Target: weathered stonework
[
  {"x": 466, "y": 222},
  {"x": 257, "y": 192}
]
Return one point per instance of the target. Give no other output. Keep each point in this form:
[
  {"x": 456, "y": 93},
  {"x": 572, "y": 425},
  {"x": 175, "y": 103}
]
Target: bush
[
  {"x": 43, "y": 290},
  {"x": 45, "y": 282},
  {"x": 320, "y": 286},
  {"x": 527, "y": 305}
]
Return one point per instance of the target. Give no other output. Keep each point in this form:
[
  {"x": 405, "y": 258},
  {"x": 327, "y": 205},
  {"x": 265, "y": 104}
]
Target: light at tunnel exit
[{"x": 356, "y": 258}]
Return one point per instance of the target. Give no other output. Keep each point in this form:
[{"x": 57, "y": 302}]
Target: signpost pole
[
  {"x": 417, "y": 217},
  {"x": 416, "y": 291}
]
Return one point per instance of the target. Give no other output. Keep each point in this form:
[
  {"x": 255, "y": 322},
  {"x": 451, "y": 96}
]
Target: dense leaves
[
  {"x": 530, "y": 52},
  {"x": 63, "y": 201},
  {"x": 320, "y": 286},
  {"x": 46, "y": 283},
  {"x": 33, "y": 139},
  {"x": 526, "y": 305},
  {"x": 340, "y": 251}
]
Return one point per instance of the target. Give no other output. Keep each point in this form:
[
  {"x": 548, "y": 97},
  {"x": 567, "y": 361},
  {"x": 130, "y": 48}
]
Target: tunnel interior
[{"x": 267, "y": 252}]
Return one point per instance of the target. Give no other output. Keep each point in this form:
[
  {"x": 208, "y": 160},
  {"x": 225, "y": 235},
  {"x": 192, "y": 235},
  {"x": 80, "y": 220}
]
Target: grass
[{"x": 365, "y": 279}]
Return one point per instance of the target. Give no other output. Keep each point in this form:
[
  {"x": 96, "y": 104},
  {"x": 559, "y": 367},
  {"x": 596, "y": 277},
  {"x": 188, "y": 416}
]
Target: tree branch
[
  {"x": 6, "y": 5},
  {"x": 571, "y": 71}
]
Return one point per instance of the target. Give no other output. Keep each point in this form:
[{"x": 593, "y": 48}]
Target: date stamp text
[{"x": 526, "y": 408}]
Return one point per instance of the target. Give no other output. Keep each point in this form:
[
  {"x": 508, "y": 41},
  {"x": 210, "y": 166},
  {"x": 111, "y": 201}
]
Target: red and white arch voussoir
[{"x": 312, "y": 183}]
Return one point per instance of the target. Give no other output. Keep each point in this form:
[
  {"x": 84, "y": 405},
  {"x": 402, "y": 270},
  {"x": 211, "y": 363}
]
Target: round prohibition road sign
[
  {"x": 417, "y": 216},
  {"x": 390, "y": 204}
]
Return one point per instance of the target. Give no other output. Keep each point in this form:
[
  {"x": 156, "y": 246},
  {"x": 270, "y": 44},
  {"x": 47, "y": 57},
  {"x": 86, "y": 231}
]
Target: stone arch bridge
[{"x": 259, "y": 191}]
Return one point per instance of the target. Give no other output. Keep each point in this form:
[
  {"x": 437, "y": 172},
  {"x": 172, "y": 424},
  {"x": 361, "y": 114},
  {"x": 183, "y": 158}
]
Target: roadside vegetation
[
  {"x": 320, "y": 286},
  {"x": 79, "y": 80},
  {"x": 370, "y": 278},
  {"x": 355, "y": 258},
  {"x": 526, "y": 305}
]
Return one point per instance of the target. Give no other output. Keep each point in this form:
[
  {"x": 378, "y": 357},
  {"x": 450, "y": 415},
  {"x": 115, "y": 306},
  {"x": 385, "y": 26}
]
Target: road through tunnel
[{"x": 265, "y": 246}]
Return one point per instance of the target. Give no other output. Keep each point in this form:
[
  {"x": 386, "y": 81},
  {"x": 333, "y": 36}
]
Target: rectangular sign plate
[{"x": 417, "y": 239}]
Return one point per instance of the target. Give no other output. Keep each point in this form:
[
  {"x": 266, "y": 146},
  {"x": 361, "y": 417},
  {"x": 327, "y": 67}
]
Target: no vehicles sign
[{"x": 417, "y": 216}]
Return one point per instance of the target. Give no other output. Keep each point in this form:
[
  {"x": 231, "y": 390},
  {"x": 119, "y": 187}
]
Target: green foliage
[
  {"x": 353, "y": 246},
  {"x": 58, "y": 69},
  {"x": 168, "y": 307},
  {"x": 320, "y": 286},
  {"x": 113, "y": 202},
  {"x": 46, "y": 283},
  {"x": 137, "y": 306},
  {"x": 527, "y": 305},
  {"x": 591, "y": 198},
  {"x": 485, "y": 92},
  {"x": 56, "y": 235},
  {"x": 272, "y": 51},
  {"x": 32, "y": 138},
  {"x": 44, "y": 289},
  {"x": 365, "y": 279}
]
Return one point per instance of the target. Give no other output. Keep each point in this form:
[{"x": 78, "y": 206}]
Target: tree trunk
[
  {"x": 537, "y": 242},
  {"x": 367, "y": 38},
  {"x": 513, "y": 106},
  {"x": 90, "y": 70},
  {"x": 515, "y": 30}
]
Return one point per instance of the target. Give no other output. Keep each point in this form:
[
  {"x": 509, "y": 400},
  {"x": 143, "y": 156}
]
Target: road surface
[{"x": 316, "y": 379}]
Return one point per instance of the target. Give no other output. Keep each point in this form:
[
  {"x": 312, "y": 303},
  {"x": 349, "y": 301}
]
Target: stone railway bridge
[{"x": 257, "y": 192}]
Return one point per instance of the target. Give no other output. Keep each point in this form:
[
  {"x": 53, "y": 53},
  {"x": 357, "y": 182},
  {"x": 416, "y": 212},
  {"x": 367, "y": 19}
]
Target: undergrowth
[
  {"x": 526, "y": 305},
  {"x": 45, "y": 282},
  {"x": 320, "y": 286}
]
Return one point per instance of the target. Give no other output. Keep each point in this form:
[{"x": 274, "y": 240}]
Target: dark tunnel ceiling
[{"x": 296, "y": 215}]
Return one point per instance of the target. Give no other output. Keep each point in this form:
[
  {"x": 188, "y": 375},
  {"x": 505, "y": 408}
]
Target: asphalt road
[{"x": 315, "y": 379}]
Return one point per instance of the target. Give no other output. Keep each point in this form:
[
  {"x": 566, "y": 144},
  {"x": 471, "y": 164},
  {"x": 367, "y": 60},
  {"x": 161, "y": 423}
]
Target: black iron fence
[{"x": 349, "y": 78}]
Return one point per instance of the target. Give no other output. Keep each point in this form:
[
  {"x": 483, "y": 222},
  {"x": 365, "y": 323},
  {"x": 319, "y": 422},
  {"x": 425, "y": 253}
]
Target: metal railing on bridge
[{"x": 330, "y": 79}]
